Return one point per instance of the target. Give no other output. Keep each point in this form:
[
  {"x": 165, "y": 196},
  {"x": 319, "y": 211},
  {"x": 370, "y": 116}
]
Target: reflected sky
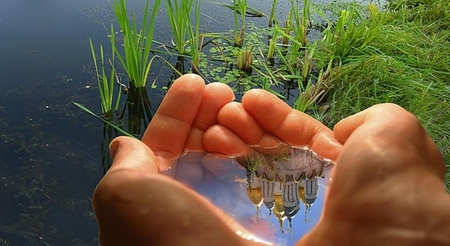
[{"x": 278, "y": 199}]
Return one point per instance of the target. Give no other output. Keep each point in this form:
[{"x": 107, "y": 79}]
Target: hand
[
  {"x": 387, "y": 188},
  {"x": 135, "y": 205}
]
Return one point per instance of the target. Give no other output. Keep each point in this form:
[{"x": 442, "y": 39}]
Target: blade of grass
[{"x": 104, "y": 120}]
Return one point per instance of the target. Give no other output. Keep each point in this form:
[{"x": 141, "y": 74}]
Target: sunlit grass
[
  {"x": 195, "y": 39},
  {"x": 106, "y": 83},
  {"x": 137, "y": 41},
  {"x": 240, "y": 9},
  {"x": 179, "y": 15},
  {"x": 395, "y": 58}
]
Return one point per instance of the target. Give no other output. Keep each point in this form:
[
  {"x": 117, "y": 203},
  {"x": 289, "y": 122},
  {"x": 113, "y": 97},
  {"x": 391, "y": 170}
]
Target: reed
[
  {"x": 195, "y": 39},
  {"x": 273, "y": 42},
  {"x": 108, "y": 122},
  {"x": 105, "y": 83},
  {"x": 245, "y": 60},
  {"x": 351, "y": 33},
  {"x": 300, "y": 21},
  {"x": 272, "y": 19},
  {"x": 178, "y": 13},
  {"x": 240, "y": 9},
  {"x": 137, "y": 42},
  {"x": 314, "y": 91}
]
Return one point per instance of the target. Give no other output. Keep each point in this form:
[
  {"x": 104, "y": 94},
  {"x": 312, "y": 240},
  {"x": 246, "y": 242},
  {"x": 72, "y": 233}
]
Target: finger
[
  {"x": 220, "y": 140},
  {"x": 234, "y": 117},
  {"x": 290, "y": 125},
  {"x": 344, "y": 128},
  {"x": 392, "y": 127},
  {"x": 130, "y": 153},
  {"x": 167, "y": 132},
  {"x": 215, "y": 96}
]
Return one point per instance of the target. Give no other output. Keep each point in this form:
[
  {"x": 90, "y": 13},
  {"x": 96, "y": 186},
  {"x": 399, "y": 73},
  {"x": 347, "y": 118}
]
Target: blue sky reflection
[{"x": 226, "y": 183}]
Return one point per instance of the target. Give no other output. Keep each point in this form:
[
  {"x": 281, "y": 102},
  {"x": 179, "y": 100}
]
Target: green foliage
[
  {"x": 137, "y": 42},
  {"x": 394, "y": 58},
  {"x": 364, "y": 55},
  {"x": 109, "y": 123},
  {"x": 195, "y": 39},
  {"x": 106, "y": 84},
  {"x": 240, "y": 8},
  {"x": 178, "y": 12}
]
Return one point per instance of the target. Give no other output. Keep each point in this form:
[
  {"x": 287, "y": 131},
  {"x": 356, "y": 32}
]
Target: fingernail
[{"x": 113, "y": 147}]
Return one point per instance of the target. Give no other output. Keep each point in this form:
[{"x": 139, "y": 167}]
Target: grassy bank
[{"x": 404, "y": 59}]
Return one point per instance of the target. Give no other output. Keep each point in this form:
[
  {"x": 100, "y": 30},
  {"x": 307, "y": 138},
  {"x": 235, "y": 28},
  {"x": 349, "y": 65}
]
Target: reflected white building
[{"x": 282, "y": 185}]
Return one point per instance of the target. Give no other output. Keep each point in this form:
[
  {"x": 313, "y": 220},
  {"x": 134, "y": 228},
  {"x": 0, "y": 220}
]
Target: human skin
[{"x": 387, "y": 187}]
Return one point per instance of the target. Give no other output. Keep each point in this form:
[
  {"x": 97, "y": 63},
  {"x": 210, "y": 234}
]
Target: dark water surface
[{"x": 50, "y": 151}]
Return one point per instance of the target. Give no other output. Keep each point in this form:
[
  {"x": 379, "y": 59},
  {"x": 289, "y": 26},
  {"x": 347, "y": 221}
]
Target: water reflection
[{"x": 276, "y": 194}]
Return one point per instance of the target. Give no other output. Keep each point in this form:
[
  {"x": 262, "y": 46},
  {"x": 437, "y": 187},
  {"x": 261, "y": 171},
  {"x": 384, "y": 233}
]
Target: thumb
[{"x": 132, "y": 154}]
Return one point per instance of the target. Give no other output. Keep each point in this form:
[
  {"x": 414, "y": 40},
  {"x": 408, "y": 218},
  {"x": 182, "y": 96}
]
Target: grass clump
[
  {"x": 137, "y": 42},
  {"x": 402, "y": 57},
  {"x": 106, "y": 83}
]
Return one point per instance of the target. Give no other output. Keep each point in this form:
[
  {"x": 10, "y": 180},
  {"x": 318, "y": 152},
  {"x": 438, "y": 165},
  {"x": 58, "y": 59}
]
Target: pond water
[{"x": 52, "y": 154}]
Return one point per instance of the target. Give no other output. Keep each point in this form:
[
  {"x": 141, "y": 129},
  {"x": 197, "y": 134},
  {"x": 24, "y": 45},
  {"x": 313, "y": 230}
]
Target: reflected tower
[
  {"x": 290, "y": 197},
  {"x": 254, "y": 192}
]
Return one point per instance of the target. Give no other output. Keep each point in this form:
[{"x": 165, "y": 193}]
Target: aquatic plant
[
  {"x": 240, "y": 9},
  {"x": 137, "y": 42},
  {"x": 300, "y": 21},
  {"x": 349, "y": 34},
  {"x": 179, "y": 15},
  {"x": 195, "y": 39},
  {"x": 106, "y": 84},
  {"x": 272, "y": 13},
  {"x": 245, "y": 60}
]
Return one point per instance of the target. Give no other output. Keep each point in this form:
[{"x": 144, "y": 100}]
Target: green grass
[
  {"x": 394, "y": 57},
  {"x": 137, "y": 41},
  {"x": 195, "y": 39},
  {"x": 364, "y": 55},
  {"x": 179, "y": 15},
  {"x": 106, "y": 84}
]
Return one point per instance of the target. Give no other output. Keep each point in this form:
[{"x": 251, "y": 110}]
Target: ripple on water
[{"x": 11, "y": 236}]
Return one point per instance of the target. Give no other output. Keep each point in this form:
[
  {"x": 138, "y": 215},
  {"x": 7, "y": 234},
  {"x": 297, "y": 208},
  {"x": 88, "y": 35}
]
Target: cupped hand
[
  {"x": 136, "y": 205},
  {"x": 387, "y": 188}
]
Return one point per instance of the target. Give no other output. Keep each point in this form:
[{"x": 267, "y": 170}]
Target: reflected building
[
  {"x": 254, "y": 191},
  {"x": 285, "y": 183}
]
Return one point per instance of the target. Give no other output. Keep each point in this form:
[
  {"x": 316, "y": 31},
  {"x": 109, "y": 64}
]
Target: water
[
  {"x": 51, "y": 153},
  {"x": 278, "y": 198}
]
